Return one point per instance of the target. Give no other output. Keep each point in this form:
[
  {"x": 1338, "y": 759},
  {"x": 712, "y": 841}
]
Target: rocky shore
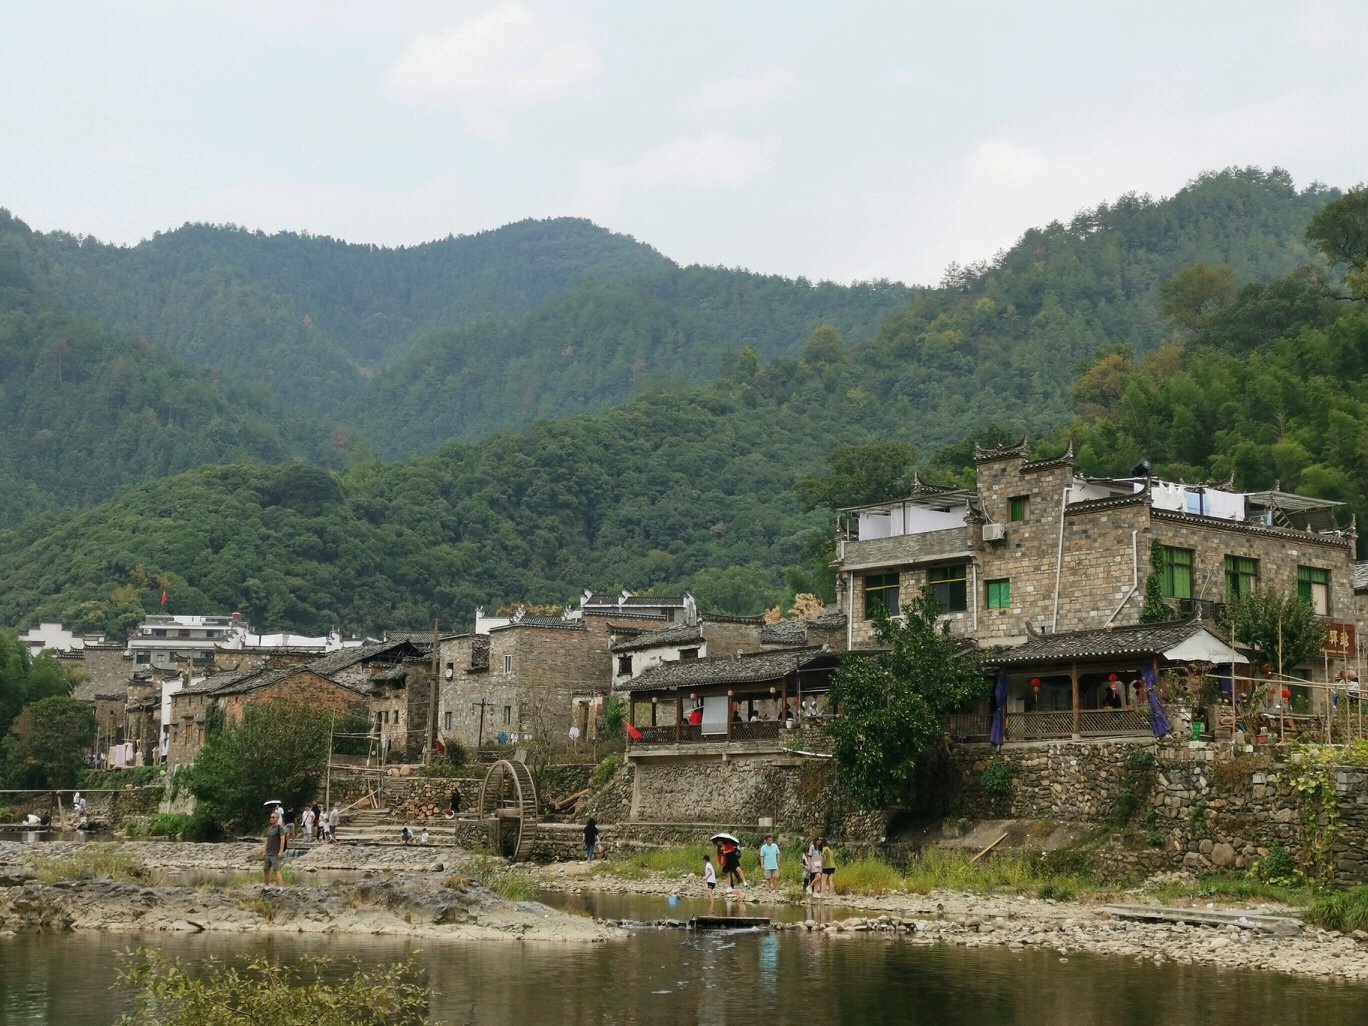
[
  {"x": 1259, "y": 936},
  {"x": 404, "y": 891},
  {"x": 415, "y": 892}
]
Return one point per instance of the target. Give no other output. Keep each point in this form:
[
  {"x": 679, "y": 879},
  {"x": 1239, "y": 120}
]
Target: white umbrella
[{"x": 724, "y": 837}]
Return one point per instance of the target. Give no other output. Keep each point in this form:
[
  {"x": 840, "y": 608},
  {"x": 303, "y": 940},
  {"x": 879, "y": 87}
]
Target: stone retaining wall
[{"x": 1198, "y": 806}]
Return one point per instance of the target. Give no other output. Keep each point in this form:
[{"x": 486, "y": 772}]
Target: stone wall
[
  {"x": 108, "y": 808},
  {"x": 1197, "y": 806}
]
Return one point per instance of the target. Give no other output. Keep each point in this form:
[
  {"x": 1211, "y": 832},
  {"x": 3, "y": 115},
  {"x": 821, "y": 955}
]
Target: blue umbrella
[
  {"x": 997, "y": 734},
  {"x": 1159, "y": 720}
]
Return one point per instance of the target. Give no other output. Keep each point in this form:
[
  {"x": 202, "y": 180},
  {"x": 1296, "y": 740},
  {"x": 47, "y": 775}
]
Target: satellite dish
[{"x": 447, "y": 675}]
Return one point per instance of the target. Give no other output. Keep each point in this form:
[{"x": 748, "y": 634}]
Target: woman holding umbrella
[{"x": 729, "y": 854}]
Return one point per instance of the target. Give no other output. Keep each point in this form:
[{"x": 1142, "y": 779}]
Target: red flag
[
  {"x": 441, "y": 746},
  {"x": 633, "y": 733},
  {"x": 163, "y": 598}
]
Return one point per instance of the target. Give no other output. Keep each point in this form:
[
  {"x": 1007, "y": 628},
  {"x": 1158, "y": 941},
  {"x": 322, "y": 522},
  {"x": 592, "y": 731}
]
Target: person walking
[
  {"x": 828, "y": 866},
  {"x": 814, "y": 854},
  {"x": 769, "y": 862},
  {"x": 710, "y": 879},
  {"x": 591, "y": 836},
  {"x": 273, "y": 852}
]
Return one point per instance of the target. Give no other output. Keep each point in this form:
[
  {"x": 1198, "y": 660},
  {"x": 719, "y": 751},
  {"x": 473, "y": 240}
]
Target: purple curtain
[
  {"x": 1159, "y": 720},
  {"x": 997, "y": 734}
]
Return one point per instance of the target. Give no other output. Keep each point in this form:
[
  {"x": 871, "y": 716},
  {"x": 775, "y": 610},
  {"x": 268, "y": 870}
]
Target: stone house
[
  {"x": 228, "y": 696},
  {"x": 532, "y": 677},
  {"x": 637, "y": 648},
  {"x": 397, "y": 675},
  {"x": 1035, "y": 547}
]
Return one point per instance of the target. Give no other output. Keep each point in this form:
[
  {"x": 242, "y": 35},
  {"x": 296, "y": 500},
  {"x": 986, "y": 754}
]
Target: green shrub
[
  {"x": 997, "y": 778},
  {"x": 604, "y": 771},
  {"x": 268, "y": 991},
  {"x": 1278, "y": 868},
  {"x": 168, "y": 824},
  {"x": 7, "y": 814}
]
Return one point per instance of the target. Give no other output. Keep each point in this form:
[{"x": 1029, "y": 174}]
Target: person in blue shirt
[{"x": 769, "y": 862}]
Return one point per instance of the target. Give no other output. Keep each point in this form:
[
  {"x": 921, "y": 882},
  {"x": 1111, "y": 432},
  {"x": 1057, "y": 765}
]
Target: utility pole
[
  {"x": 432, "y": 699},
  {"x": 479, "y": 734}
]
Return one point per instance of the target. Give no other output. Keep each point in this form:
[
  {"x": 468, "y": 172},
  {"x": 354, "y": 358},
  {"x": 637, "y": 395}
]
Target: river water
[{"x": 672, "y": 976}]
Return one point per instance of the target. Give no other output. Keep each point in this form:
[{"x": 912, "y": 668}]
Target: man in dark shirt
[{"x": 273, "y": 852}]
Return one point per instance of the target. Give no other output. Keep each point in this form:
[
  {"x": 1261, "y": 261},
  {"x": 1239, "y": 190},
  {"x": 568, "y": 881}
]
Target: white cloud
[
  {"x": 996, "y": 163},
  {"x": 492, "y": 64},
  {"x": 711, "y": 161},
  {"x": 740, "y": 95}
]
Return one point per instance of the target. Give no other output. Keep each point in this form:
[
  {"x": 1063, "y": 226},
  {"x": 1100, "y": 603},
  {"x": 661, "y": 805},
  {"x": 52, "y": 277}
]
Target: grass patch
[
  {"x": 866, "y": 876},
  {"x": 92, "y": 862},
  {"x": 496, "y": 876},
  {"x": 604, "y": 771},
  {"x": 1235, "y": 887},
  {"x": 1345, "y": 911}
]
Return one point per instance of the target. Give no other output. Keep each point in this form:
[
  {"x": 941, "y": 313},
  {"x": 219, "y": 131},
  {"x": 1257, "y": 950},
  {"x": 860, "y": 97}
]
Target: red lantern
[
  {"x": 1035, "y": 685},
  {"x": 1286, "y": 694},
  {"x": 1113, "y": 677}
]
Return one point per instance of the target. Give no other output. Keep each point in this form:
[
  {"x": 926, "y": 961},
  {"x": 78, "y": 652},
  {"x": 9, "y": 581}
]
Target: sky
[{"x": 855, "y": 141}]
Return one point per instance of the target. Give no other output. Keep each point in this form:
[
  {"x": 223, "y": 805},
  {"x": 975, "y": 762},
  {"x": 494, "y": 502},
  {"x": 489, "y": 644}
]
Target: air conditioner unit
[{"x": 994, "y": 532}]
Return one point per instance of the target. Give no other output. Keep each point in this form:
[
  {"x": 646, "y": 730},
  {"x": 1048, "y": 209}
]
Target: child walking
[{"x": 710, "y": 878}]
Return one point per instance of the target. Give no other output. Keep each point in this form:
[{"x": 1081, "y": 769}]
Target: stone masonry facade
[{"x": 1070, "y": 562}]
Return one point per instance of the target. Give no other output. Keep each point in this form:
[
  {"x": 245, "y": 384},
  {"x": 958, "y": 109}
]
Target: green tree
[
  {"x": 1340, "y": 229},
  {"x": 1155, "y": 609},
  {"x": 47, "y": 743},
  {"x": 859, "y": 474},
  {"x": 1195, "y": 292},
  {"x": 266, "y": 991},
  {"x": 280, "y": 750},
  {"x": 1279, "y": 626},
  {"x": 892, "y": 704}
]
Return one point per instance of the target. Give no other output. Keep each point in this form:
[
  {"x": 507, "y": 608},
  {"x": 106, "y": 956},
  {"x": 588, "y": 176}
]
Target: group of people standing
[{"x": 819, "y": 866}]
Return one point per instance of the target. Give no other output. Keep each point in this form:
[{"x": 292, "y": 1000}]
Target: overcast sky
[{"x": 854, "y": 140}]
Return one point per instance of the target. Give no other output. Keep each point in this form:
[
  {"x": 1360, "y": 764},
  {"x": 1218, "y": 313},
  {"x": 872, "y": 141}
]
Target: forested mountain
[
  {"x": 1202, "y": 331},
  {"x": 314, "y": 319},
  {"x": 86, "y": 413}
]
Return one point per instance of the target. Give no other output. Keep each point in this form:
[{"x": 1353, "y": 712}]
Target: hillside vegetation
[{"x": 1203, "y": 331}]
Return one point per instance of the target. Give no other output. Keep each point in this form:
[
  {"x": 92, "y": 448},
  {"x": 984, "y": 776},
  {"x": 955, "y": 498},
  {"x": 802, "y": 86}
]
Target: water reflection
[{"x": 677, "y": 976}]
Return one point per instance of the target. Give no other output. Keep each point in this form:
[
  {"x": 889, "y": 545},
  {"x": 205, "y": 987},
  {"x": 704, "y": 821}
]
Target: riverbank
[
  {"x": 1258, "y": 936},
  {"x": 396, "y": 892},
  {"x": 404, "y": 891}
]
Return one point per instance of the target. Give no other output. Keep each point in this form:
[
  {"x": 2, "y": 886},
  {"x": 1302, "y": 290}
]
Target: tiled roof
[
  {"x": 675, "y": 634},
  {"x": 348, "y": 657},
  {"x": 265, "y": 678},
  {"x": 785, "y": 632},
  {"x": 752, "y": 668},
  {"x": 1144, "y": 639}
]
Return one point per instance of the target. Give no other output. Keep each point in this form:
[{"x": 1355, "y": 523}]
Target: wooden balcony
[{"x": 1054, "y": 725}]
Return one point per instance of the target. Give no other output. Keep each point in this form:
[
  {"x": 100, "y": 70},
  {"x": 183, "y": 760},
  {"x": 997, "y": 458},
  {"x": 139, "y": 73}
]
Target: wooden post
[{"x": 1073, "y": 674}]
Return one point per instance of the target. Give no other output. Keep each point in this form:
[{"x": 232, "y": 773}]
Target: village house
[
  {"x": 369, "y": 683},
  {"x": 1035, "y": 549},
  {"x": 534, "y": 676}
]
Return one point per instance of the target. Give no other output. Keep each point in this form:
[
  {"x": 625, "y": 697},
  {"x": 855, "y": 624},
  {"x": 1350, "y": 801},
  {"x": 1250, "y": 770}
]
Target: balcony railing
[{"x": 1053, "y": 725}]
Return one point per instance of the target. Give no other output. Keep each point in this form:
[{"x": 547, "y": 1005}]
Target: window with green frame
[
  {"x": 947, "y": 584},
  {"x": 1175, "y": 577},
  {"x": 1018, "y": 507},
  {"x": 881, "y": 590},
  {"x": 999, "y": 594},
  {"x": 1242, "y": 576},
  {"x": 1313, "y": 585}
]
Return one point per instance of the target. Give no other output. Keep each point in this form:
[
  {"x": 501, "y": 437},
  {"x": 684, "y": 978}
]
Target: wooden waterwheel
[{"x": 509, "y": 800}]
